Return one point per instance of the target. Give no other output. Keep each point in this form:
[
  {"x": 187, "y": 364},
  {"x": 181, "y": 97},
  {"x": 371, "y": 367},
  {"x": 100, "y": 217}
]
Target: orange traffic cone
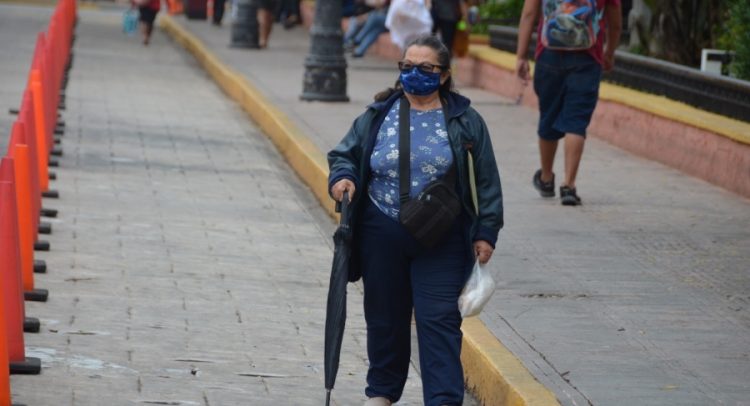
[
  {"x": 28, "y": 137},
  {"x": 4, "y": 372},
  {"x": 37, "y": 97},
  {"x": 10, "y": 275},
  {"x": 174, "y": 7},
  {"x": 22, "y": 182},
  {"x": 36, "y": 115}
]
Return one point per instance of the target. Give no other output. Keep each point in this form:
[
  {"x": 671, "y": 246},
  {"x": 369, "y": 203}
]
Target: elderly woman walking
[{"x": 417, "y": 228}]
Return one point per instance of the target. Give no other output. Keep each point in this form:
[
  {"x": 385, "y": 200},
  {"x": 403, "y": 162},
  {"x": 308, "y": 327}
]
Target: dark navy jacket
[{"x": 466, "y": 132}]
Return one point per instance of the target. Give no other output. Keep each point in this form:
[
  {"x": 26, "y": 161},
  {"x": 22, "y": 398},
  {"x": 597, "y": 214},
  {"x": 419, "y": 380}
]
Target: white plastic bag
[
  {"x": 477, "y": 291},
  {"x": 406, "y": 20}
]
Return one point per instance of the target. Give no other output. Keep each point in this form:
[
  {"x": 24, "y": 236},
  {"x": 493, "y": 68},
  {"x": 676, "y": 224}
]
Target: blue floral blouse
[{"x": 431, "y": 156}]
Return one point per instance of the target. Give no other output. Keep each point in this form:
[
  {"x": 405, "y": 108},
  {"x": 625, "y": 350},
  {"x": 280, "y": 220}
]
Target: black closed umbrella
[{"x": 336, "y": 308}]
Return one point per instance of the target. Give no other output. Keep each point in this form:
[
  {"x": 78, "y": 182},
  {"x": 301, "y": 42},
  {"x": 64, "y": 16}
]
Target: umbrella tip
[{"x": 328, "y": 397}]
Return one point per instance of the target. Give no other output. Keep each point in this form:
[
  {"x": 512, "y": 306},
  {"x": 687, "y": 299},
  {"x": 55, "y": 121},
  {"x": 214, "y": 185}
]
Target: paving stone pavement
[
  {"x": 188, "y": 265},
  {"x": 639, "y": 297}
]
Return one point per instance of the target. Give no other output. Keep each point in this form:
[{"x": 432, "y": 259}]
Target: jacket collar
[{"x": 455, "y": 105}]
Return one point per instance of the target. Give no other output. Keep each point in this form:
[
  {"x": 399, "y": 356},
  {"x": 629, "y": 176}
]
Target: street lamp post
[{"x": 325, "y": 65}]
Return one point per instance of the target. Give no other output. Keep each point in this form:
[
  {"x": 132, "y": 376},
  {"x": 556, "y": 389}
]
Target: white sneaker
[{"x": 378, "y": 401}]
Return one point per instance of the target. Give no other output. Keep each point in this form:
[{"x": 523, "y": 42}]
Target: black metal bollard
[
  {"x": 244, "y": 30},
  {"x": 325, "y": 65}
]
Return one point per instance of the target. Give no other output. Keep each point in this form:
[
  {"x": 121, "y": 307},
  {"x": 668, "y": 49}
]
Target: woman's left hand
[{"x": 482, "y": 251}]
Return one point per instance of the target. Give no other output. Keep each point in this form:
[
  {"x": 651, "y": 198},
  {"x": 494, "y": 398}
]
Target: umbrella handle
[{"x": 343, "y": 205}]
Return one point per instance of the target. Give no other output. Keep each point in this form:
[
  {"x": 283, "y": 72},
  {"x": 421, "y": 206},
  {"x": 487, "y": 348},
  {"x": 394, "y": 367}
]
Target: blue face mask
[{"x": 420, "y": 83}]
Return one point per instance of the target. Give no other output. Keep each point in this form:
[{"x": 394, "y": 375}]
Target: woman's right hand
[{"x": 338, "y": 189}]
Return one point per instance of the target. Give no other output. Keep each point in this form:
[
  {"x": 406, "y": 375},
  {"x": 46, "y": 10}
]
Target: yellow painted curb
[
  {"x": 493, "y": 373},
  {"x": 657, "y": 105}
]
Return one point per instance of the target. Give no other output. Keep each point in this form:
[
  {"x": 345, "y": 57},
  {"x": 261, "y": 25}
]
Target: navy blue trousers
[{"x": 399, "y": 276}]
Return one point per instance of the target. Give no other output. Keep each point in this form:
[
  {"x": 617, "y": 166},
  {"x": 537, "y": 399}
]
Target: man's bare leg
[
  {"x": 265, "y": 21},
  {"x": 573, "y": 152}
]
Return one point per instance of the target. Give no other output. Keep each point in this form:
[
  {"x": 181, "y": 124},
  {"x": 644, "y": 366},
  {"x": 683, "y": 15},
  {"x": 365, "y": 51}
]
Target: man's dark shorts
[
  {"x": 567, "y": 84},
  {"x": 147, "y": 15}
]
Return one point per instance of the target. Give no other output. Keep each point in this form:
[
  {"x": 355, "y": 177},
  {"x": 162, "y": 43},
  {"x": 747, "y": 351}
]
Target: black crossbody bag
[{"x": 432, "y": 213}]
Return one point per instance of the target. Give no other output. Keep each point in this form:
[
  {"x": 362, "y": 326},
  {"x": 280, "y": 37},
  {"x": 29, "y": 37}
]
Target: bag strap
[
  {"x": 404, "y": 154},
  {"x": 472, "y": 182},
  {"x": 404, "y": 151}
]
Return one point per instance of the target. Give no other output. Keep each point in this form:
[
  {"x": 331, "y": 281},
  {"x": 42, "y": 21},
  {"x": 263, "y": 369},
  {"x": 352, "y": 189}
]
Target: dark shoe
[
  {"x": 546, "y": 189},
  {"x": 290, "y": 22},
  {"x": 569, "y": 197}
]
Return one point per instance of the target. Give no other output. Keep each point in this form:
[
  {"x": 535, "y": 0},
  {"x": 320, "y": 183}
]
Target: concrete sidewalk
[{"x": 638, "y": 297}]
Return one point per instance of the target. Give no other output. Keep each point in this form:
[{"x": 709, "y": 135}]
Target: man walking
[{"x": 576, "y": 41}]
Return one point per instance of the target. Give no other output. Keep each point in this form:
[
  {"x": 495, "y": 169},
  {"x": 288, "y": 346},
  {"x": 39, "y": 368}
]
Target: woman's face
[{"x": 417, "y": 55}]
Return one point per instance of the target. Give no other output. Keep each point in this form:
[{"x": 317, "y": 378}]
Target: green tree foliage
[
  {"x": 735, "y": 36},
  {"x": 504, "y": 12},
  {"x": 682, "y": 28}
]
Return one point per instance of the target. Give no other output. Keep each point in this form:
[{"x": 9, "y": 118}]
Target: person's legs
[
  {"x": 547, "y": 151},
  {"x": 447, "y": 32},
  {"x": 265, "y": 21},
  {"x": 374, "y": 26},
  {"x": 146, "y": 29},
  {"x": 437, "y": 277},
  {"x": 550, "y": 87},
  {"x": 265, "y": 25},
  {"x": 365, "y": 27},
  {"x": 582, "y": 92},
  {"x": 387, "y": 302},
  {"x": 147, "y": 18},
  {"x": 292, "y": 13},
  {"x": 573, "y": 152},
  {"x": 218, "y": 11},
  {"x": 351, "y": 31}
]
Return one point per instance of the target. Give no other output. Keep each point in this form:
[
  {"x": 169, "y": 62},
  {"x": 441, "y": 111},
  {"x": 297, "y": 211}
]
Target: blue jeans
[
  {"x": 371, "y": 30},
  {"x": 398, "y": 276},
  {"x": 567, "y": 84},
  {"x": 352, "y": 30}
]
